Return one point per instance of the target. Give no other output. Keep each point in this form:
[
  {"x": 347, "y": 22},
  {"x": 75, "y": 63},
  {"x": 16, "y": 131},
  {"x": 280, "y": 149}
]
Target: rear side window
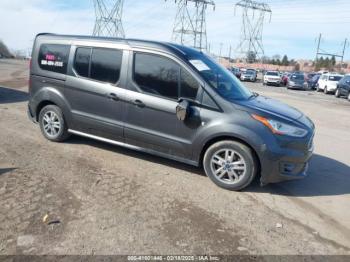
[
  {"x": 106, "y": 65},
  {"x": 82, "y": 61},
  {"x": 54, "y": 58},
  {"x": 163, "y": 77},
  {"x": 99, "y": 64}
]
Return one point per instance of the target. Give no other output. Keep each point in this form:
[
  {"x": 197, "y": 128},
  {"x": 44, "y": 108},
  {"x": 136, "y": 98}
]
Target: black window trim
[
  {"x": 181, "y": 66},
  {"x": 90, "y": 62},
  {"x": 73, "y": 64}
]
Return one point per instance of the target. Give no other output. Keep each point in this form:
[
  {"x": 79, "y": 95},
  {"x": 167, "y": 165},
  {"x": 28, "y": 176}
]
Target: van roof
[{"x": 164, "y": 46}]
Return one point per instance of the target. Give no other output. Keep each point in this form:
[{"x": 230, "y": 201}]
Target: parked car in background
[
  {"x": 272, "y": 78},
  {"x": 249, "y": 75},
  {"x": 285, "y": 78},
  {"x": 297, "y": 81},
  {"x": 236, "y": 71},
  {"x": 343, "y": 87},
  {"x": 328, "y": 83},
  {"x": 309, "y": 76},
  {"x": 312, "y": 83}
]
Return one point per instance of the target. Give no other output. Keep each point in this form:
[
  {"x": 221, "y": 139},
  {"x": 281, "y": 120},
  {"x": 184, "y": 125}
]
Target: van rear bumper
[{"x": 31, "y": 115}]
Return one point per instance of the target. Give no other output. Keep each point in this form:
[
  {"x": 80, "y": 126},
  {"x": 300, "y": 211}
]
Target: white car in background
[
  {"x": 272, "y": 78},
  {"x": 328, "y": 82}
]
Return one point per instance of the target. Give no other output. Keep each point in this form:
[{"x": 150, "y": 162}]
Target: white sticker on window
[{"x": 199, "y": 65}]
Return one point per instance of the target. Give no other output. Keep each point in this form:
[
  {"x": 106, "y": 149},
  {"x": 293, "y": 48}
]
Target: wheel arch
[
  {"x": 50, "y": 96},
  {"x": 216, "y": 139},
  {"x": 41, "y": 105}
]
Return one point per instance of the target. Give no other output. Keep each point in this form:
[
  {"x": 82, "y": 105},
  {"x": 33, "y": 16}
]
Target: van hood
[{"x": 273, "y": 107}]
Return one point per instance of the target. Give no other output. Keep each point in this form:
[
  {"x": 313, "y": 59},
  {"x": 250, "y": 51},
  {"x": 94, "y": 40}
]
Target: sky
[{"x": 293, "y": 29}]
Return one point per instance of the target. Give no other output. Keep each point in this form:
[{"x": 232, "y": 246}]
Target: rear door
[
  {"x": 94, "y": 91},
  {"x": 155, "y": 84}
]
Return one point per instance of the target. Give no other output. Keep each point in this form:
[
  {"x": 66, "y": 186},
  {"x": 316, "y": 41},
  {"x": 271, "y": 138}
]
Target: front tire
[
  {"x": 337, "y": 93},
  {"x": 52, "y": 124},
  {"x": 349, "y": 97},
  {"x": 230, "y": 165},
  {"x": 325, "y": 90}
]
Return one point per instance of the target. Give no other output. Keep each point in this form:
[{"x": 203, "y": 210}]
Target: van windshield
[{"x": 219, "y": 78}]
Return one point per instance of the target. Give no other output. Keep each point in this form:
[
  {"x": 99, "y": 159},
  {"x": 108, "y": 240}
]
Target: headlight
[{"x": 281, "y": 128}]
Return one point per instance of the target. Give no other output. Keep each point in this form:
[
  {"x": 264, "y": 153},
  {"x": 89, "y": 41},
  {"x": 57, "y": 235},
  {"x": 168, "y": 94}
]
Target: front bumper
[
  {"x": 283, "y": 164},
  {"x": 272, "y": 82},
  {"x": 299, "y": 87},
  {"x": 247, "y": 78}
]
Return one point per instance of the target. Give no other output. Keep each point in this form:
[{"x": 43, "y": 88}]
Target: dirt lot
[{"x": 102, "y": 199}]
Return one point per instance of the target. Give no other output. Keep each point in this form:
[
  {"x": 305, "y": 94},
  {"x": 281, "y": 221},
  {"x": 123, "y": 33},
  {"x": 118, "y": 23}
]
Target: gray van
[{"x": 168, "y": 100}]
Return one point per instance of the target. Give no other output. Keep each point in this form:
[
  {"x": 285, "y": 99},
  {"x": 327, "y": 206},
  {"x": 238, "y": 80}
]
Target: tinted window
[
  {"x": 298, "y": 77},
  {"x": 54, "y": 58},
  {"x": 335, "y": 78},
  {"x": 157, "y": 75},
  {"x": 189, "y": 85},
  {"x": 82, "y": 61},
  {"x": 106, "y": 65},
  {"x": 207, "y": 101},
  {"x": 272, "y": 74}
]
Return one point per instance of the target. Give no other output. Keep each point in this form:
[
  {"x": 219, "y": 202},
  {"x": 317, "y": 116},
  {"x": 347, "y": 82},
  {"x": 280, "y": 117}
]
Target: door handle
[
  {"x": 113, "y": 96},
  {"x": 139, "y": 103}
]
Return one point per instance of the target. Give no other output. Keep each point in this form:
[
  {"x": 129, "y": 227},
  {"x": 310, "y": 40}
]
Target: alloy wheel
[
  {"x": 228, "y": 166},
  {"x": 51, "y": 123}
]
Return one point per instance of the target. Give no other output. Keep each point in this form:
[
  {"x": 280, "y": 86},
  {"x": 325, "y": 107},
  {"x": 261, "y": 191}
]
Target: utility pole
[
  {"x": 109, "y": 15},
  {"x": 253, "y": 19},
  {"x": 190, "y": 23}
]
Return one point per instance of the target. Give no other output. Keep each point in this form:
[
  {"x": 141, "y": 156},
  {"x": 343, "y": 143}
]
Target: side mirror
[{"x": 182, "y": 110}]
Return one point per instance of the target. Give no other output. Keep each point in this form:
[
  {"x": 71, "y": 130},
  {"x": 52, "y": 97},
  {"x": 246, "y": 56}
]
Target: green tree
[
  {"x": 333, "y": 61},
  {"x": 285, "y": 61}
]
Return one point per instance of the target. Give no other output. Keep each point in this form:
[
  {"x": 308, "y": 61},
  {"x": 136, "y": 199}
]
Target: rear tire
[
  {"x": 230, "y": 165},
  {"x": 52, "y": 124},
  {"x": 325, "y": 90},
  {"x": 318, "y": 88},
  {"x": 349, "y": 97}
]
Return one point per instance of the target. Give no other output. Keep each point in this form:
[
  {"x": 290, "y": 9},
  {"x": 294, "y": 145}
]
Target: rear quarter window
[{"x": 54, "y": 57}]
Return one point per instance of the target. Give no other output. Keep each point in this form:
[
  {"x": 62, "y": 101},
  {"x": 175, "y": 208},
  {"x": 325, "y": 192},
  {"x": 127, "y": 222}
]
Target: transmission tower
[
  {"x": 109, "y": 18},
  {"x": 190, "y": 23},
  {"x": 324, "y": 53},
  {"x": 253, "y": 18}
]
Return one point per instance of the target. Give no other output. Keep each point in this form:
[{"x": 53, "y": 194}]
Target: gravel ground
[{"x": 85, "y": 197}]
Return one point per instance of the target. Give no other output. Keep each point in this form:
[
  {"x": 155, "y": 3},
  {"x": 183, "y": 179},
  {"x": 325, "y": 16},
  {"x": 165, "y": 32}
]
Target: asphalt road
[{"x": 87, "y": 197}]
